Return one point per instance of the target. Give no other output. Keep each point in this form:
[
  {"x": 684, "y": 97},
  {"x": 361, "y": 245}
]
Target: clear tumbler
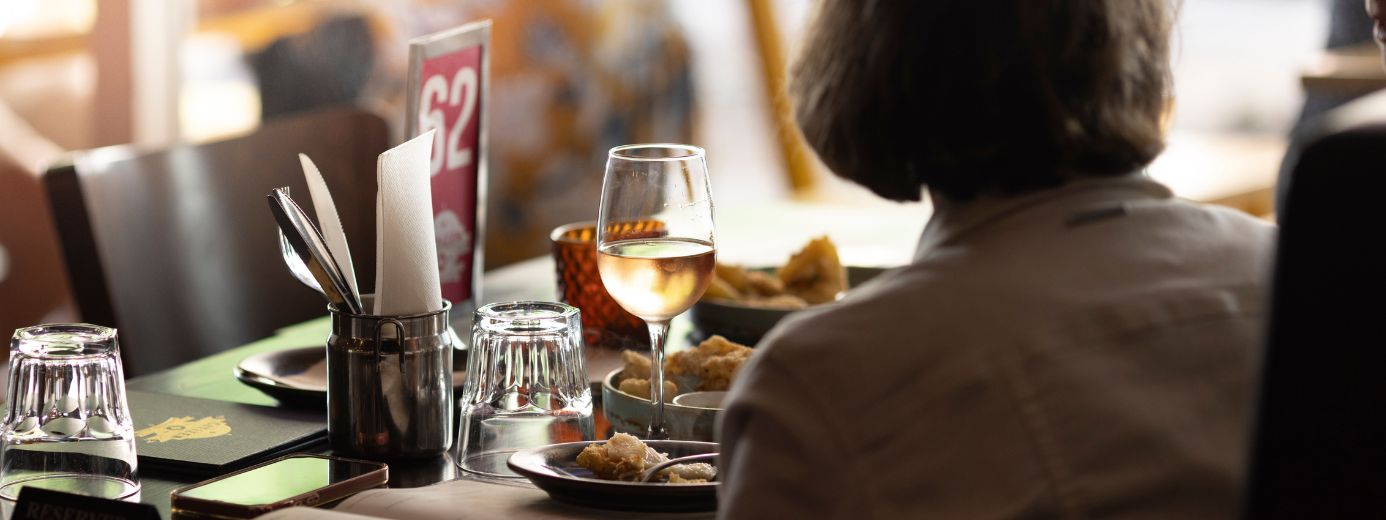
[
  {"x": 526, "y": 384},
  {"x": 68, "y": 426}
]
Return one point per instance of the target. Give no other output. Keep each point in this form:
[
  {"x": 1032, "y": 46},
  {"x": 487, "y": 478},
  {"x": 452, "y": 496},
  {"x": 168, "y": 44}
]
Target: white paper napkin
[
  {"x": 406, "y": 255},
  {"x": 328, "y": 221}
]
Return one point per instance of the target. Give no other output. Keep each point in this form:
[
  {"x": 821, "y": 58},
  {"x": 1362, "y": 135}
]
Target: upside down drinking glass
[
  {"x": 526, "y": 384},
  {"x": 67, "y": 427},
  {"x": 656, "y": 278}
]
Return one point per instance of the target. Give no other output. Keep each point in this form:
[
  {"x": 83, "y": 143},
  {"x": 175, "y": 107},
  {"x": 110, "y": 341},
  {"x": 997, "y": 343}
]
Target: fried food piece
[
  {"x": 691, "y": 473},
  {"x": 623, "y": 457},
  {"x": 782, "y": 301},
  {"x": 714, "y": 362},
  {"x": 815, "y": 273},
  {"x": 763, "y": 284},
  {"x": 733, "y": 282},
  {"x": 641, "y": 388},
  {"x": 709, "y": 366},
  {"x": 733, "y": 275},
  {"x": 719, "y": 288},
  {"x": 637, "y": 366}
]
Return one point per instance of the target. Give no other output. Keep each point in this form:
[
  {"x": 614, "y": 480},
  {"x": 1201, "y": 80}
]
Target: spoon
[
  {"x": 296, "y": 265},
  {"x": 654, "y": 470},
  {"x": 307, "y": 241}
]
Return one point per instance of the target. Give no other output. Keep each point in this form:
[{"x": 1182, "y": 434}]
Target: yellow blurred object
[
  {"x": 763, "y": 284},
  {"x": 720, "y": 288},
  {"x": 733, "y": 276},
  {"x": 641, "y": 388},
  {"x": 797, "y": 158},
  {"x": 714, "y": 362},
  {"x": 812, "y": 276},
  {"x": 815, "y": 273}
]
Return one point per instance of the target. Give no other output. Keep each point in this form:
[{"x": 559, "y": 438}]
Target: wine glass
[{"x": 655, "y": 242}]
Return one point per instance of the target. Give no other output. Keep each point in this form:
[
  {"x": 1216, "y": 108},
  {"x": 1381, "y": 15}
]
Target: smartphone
[{"x": 294, "y": 480}]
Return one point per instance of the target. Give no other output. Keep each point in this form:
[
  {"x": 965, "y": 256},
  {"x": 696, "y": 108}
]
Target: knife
[{"x": 308, "y": 243}]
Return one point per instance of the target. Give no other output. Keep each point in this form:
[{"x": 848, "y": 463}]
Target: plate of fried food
[
  {"x": 694, "y": 379},
  {"x": 742, "y": 304},
  {"x": 608, "y": 474}
]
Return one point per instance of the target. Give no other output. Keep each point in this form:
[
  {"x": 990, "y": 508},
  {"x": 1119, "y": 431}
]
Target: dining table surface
[
  {"x": 762, "y": 234},
  {"x": 759, "y": 234}
]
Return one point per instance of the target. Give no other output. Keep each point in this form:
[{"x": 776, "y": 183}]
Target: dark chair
[
  {"x": 1319, "y": 444},
  {"x": 335, "y": 57},
  {"x": 177, "y": 248}
]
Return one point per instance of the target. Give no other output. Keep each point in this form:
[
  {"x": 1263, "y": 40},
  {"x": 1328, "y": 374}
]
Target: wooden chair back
[{"x": 177, "y": 247}]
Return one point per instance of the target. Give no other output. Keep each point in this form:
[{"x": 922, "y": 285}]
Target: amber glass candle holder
[{"x": 604, "y": 322}]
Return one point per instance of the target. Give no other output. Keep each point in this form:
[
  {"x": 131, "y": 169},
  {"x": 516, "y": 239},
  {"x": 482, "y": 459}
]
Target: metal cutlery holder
[{"x": 389, "y": 384}]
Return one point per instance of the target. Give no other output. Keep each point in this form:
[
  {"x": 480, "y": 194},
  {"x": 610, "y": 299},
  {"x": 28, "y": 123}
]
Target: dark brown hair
[{"x": 982, "y": 96}]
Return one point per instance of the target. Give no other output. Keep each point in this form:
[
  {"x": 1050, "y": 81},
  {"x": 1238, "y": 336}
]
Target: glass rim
[
  {"x": 557, "y": 234},
  {"x": 690, "y": 152},
  {"x": 35, "y": 331},
  {"x": 35, "y": 341},
  {"x": 560, "y": 310}
]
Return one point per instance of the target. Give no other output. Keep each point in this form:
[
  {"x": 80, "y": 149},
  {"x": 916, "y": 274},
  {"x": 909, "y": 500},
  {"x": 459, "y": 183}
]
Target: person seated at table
[{"x": 1069, "y": 341}]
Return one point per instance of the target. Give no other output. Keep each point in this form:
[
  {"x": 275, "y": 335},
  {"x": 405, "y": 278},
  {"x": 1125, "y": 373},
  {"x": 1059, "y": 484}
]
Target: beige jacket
[{"x": 1082, "y": 352}]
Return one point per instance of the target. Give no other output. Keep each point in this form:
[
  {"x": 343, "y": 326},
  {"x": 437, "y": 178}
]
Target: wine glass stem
[{"x": 659, "y": 332}]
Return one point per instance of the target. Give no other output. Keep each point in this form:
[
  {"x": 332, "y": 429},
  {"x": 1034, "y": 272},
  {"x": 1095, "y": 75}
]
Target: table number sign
[{"x": 449, "y": 76}]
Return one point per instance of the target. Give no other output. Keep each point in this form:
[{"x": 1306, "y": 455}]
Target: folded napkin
[{"x": 406, "y": 254}]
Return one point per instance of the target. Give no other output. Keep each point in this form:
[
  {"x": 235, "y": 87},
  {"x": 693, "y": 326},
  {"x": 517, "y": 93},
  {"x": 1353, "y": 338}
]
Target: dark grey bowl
[{"x": 746, "y": 325}]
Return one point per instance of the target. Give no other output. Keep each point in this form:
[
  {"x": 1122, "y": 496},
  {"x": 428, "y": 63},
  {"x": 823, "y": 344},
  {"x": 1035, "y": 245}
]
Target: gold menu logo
[{"x": 185, "y": 428}]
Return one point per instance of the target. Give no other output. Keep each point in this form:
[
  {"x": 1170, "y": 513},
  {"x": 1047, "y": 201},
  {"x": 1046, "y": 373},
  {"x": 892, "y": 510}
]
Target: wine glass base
[{"x": 660, "y": 434}]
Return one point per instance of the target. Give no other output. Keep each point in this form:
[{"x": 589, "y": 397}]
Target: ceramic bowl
[
  {"x": 631, "y": 414},
  {"x": 701, "y": 399}
]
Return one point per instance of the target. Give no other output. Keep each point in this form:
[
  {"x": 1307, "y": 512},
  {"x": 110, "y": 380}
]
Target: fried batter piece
[
  {"x": 762, "y": 284},
  {"x": 637, "y": 366},
  {"x": 733, "y": 275},
  {"x": 623, "y": 457},
  {"x": 720, "y": 288},
  {"x": 815, "y": 273},
  {"x": 641, "y": 388},
  {"x": 782, "y": 301},
  {"x": 737, "y": 283},
  {"x": 714, "y": 362},
  {"x": 691, "y": 473},
  {"x": 709, "y": 366}
]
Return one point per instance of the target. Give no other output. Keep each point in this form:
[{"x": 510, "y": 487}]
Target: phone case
[{"x": 325, "y": 495}]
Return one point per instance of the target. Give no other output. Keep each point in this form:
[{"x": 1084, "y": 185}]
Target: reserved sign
[{"x": 45, "y": 504}]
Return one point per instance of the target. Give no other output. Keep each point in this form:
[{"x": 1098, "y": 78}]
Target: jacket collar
[{"x": 954, "y": 221}]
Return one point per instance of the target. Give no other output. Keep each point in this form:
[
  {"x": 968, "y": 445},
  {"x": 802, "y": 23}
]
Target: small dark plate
[
  {"x": 746, "y": 324},
  {"x": 298, "y": 377},
  {"x": 555, "y": 470}
]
